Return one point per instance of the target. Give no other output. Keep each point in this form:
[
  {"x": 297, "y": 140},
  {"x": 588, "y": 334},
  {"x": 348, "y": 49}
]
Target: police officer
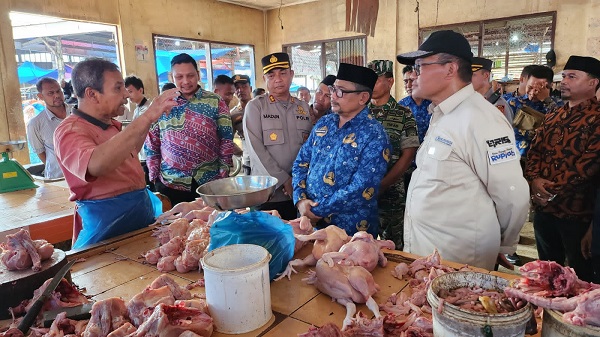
[
  {"x": 275, "y": 126},
  {"x": 481, "y": 80},
  {"x": 400, "y": 126}
]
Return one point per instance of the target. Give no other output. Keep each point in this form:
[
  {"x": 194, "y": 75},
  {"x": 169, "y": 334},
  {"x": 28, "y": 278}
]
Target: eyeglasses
[
  {"x": 417, "y": 67},
  {"x": 339, "y": 92}
]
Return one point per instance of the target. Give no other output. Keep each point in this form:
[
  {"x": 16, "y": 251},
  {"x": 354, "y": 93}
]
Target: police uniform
[
  {"x": 492, "y": 96},
  {"x": 274, "y": 133},
  {"x": 400, "y": 126}
]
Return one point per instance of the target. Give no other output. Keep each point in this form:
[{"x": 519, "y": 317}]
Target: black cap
[
  {"x": 481, "y": 63},
  {"x": 329, "y": 80},
  {"x": 275, "y": 61},
  {"x": 183, "y": 58},
  {"x": 357, "y": 74},
  {"x": 241, "y": 79},
  {"x": 584, "y": 63},
  {"x": 443, "y": 41}
]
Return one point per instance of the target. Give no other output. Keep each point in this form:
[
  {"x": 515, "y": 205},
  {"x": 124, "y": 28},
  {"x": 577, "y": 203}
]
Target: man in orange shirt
[{"x": 99, "y": 159}]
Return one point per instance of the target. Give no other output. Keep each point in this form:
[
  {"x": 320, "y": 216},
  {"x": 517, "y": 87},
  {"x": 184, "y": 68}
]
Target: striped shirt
[{"x": 40, "y": 134}]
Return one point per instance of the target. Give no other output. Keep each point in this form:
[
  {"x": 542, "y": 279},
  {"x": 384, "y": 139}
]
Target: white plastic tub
[
  {"x": 238, "y": 292},
  {"x": 554, "y": 326},
  {"x": 454, "y": 321}
]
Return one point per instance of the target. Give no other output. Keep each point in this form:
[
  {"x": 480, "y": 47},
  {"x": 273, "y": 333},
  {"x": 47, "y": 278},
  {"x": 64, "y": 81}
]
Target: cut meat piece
[
  {"x": 179, "y": 292},
  {"x": 327, "y": 330},
  {"x": 548, "y": 278},
  {"x": 64, "y": 296},
  {"x": 172, "y": 321},
  {"x": 107, "y": 316},
  {"x": 142, "y": 304},
  {"x": 18, "y": 246}
]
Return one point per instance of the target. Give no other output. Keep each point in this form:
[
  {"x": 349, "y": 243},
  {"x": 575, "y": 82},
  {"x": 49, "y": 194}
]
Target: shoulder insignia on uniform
[
  {"x": 362, "y": 225},
  {"x": 368, "y": 193},
  {"x": 322, "y": 131},
  {"x": 386, "y": 155},
  {"x": 273, "y": 136},
  {"x": 292, "y": 100},
  {"x": 328, "y": 178},
  {"x": 272, "y": 99}
]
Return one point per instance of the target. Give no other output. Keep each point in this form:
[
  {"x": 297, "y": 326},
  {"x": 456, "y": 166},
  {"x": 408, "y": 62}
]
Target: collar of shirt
[
  {"x": 450, "y": 103},
  {"x": 389, "y": 105},
  {"x": 583, "y": 105},
  {"x": 95, "y": 121},
  {"x": 363, "y": 115},
  {"x": 143, "y": 102},
  {"x": 52, "y": 116}
]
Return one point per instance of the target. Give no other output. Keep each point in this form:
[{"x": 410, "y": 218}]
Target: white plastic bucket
[
  {"x": 237, "y": 287},
  {"x": 454, "y": 321},
  {"x": 554, "y": 326}
]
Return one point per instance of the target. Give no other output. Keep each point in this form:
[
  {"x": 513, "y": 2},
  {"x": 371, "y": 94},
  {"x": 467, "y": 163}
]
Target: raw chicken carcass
[
  {"x": 363, "y": 250},
  {"x": 328, "y": 239},
  {"x": 179, "y": 292},
  {"x": 174, "y": 247},
  {"x": 173, "y": 320},
  {"x": 142, "y": 304},
  {"x": 107, "y": 316},
  {"x": 14, "y": 257},
  {"x": 190, "y": 258},
  {"x": 166, "y": 264},
  {"x": 583, "y": 309},
  {"x": 346, "y": 285},
  {"x": 550, "y": 279}
]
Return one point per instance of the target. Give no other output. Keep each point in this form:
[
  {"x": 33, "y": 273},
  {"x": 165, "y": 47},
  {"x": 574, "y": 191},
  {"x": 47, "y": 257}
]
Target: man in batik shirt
[
  {"x": 338, "y": 171},
  {"x": 192, "y": 144},
  {"x": 399, "y": 124},
  {"x": 562, "y": 168}
]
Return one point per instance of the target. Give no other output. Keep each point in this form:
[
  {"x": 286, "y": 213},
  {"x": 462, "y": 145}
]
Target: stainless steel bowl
[{"x": 238, "y": 192}]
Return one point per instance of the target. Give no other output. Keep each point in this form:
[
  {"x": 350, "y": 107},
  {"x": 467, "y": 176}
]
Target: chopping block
[{"x": 18, "y": 285}]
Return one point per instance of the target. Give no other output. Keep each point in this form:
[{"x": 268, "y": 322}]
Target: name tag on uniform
[{"x": 502, "y": 154}]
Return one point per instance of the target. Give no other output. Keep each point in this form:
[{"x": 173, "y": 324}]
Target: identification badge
[{"x": 502, "y": 154}]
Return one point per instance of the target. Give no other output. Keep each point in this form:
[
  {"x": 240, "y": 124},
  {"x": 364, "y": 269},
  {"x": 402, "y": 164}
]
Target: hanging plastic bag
[{"x": 257, "y": 228}]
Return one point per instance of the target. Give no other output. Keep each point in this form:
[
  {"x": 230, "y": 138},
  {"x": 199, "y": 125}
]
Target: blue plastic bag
[
  {"x": 257, "y": 228},
  {"x": 106, "y": 218}
]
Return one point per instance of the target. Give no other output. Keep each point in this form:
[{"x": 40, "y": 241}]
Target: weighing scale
[{"x": 13, "y": 176}]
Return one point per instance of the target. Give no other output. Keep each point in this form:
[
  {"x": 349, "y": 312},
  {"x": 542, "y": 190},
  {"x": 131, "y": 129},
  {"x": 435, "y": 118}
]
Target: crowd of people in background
[{"x": 351, "y": 154}]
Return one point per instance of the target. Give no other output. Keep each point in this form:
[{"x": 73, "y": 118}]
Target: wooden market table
[
  {"x": 116, "y": 269},
  {"x": 45, "y": 211}
]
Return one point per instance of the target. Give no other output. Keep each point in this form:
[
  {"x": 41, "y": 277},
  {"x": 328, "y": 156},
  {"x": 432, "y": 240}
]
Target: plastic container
[
  {"x": 554, "y": 326},
  {"x": 454, "y": 321},
  {"x": 237, "y": 287}
]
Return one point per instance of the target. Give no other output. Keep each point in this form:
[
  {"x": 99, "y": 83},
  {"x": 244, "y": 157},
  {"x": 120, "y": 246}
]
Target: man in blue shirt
[
  {"x": 417, "y": 106},
  {"x": 337, "y": 173}
]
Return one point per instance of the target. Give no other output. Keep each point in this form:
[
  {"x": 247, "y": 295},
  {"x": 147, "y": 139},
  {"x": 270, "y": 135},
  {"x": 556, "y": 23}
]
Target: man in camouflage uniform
[{"x": 400, "y": 126}]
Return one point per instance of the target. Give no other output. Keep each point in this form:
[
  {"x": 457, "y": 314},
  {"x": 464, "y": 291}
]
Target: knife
[{"x": 31, "y": 315}]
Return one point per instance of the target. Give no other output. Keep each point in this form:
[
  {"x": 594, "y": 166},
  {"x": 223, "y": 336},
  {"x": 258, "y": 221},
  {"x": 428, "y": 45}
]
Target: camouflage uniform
[{"x": 400, "y": 126}]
